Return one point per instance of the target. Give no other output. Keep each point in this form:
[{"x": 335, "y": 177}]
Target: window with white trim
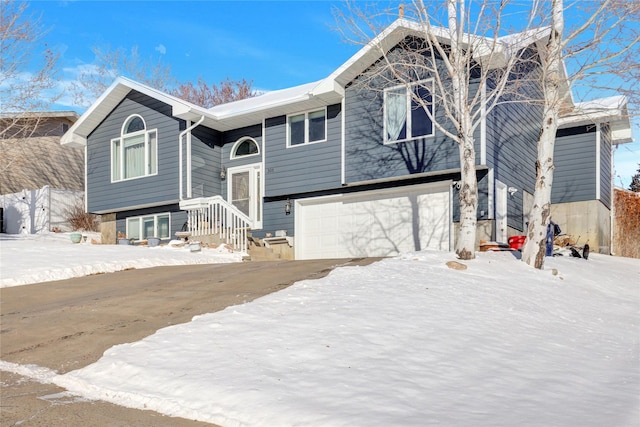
[
  {"x": 307, "y": 128},
  {"x": 405, "y": 116},
  {"x": 245, "y": 147},
  {"x": 143, "y": 227},
  {"x": 135, "y": 153}
]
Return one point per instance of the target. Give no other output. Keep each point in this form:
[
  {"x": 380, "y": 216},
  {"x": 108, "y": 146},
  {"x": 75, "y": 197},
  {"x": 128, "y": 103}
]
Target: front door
[{"x": 244, "y": 191}]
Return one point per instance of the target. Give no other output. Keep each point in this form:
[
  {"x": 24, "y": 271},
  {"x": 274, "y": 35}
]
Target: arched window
[
  {"x": 134, "y": 124},
  {"x": 245, "y": 147},
  {"x": 135, "y": 153}
]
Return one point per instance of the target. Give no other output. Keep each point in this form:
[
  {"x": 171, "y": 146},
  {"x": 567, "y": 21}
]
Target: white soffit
[{"x": 612, "y": 110}]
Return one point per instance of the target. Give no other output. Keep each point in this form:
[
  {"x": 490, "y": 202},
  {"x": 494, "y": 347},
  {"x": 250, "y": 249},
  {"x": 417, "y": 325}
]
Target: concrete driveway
[{"x": 68, "y": 324}]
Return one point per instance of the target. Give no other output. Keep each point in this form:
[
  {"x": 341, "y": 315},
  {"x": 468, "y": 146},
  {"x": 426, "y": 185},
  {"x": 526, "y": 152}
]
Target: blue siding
[
  {"x": 304, "y": 168},
  {"x": 368, "y": 157},
  {"x": 206, "y": 160},
  {"x": 513, "y": 127},
  {"x": 275, "y": 219},
  {"x": 483, "y": 198},
  {"x": 574, "y": 178},
  {"x": 104, "y": 196}
]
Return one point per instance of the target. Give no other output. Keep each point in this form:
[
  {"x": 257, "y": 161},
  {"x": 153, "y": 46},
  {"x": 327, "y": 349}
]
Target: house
[
  {"x": 39, "y": 179},
  {"x": 321, "y": 167}
]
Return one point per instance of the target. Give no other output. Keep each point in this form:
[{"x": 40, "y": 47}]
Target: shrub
[{"x": 78, "y": 219}]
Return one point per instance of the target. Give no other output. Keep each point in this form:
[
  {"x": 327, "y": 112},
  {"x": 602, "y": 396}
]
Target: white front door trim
[{"x": 255, "y": 190}]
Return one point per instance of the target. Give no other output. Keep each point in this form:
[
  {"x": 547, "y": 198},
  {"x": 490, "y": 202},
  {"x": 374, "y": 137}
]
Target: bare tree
[
  {"x": 601, "y": 53},
  {"x": 23, "y": 90},
  {"x": 207, "y": 96},
  {"x": 467, "y": 67},
  {"x": 27, "y": 78},
  {"x": 109, "y": 63}
]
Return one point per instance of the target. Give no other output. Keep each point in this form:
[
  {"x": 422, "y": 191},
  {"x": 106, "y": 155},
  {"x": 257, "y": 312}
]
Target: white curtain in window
[
  {"x": 396, "y": 113},
  {"x": 134, "y": 156}
]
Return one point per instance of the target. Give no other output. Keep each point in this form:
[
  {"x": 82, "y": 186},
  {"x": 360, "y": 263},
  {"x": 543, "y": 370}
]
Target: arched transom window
[
  {"x": 135, "y": 153},
  {"x": 245, "y": 147}
]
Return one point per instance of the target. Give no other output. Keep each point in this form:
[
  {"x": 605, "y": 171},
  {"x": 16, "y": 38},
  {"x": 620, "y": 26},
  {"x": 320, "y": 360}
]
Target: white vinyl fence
[{"x": 37, "y": 211}]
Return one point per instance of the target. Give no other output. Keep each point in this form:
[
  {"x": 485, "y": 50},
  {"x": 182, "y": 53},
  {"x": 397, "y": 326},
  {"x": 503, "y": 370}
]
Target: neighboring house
[
  {"x": 39, "y": 179},
  {"x": 322, "y": 163}
]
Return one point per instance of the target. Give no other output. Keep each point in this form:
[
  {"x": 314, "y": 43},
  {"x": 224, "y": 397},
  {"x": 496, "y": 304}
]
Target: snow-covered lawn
[
  {"x": 37, "y": 258},
  {"x": 402, "y": 342}
]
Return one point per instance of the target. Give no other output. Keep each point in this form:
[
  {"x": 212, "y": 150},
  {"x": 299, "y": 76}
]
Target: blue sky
[{"x": 275, "y": 44}]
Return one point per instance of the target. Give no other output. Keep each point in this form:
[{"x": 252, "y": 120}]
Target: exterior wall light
[
  {"x": 512, "y": 191},
  {"x": 287, "y": 207},
  {"x": 223, "y": 173}
]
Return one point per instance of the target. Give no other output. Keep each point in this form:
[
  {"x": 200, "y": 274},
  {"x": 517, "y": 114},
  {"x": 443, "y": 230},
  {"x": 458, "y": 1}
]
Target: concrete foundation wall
[
  {"x": 587, "y": 222},
  {"x": 484, "y": 231},
  {"x": 108, "y": 229}
]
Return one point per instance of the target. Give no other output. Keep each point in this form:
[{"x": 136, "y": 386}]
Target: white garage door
[{"x": 374, "y": 223}]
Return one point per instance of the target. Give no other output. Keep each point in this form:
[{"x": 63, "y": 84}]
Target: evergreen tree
[{"x": 635, "y": 181}]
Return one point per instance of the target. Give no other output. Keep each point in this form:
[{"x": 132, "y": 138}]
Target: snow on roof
[
  {"x": 265, "y": 100},
  {"x": 317, "y": 94},
  {"x": 612, "y": 110}
]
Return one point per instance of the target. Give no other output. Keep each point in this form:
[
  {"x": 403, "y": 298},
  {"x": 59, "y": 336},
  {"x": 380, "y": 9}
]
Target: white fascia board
[
  {"x": 611, "y": 110},
  {"x": 73, "y": 141},
  {"x": 78, "y": 132}
]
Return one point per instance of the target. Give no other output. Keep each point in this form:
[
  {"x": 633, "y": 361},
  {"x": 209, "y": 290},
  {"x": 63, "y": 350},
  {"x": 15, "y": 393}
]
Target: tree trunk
[
  {"x": 534, "y": 249},
  {"x": 468, "y": 195},
  {"x": 468, "y": 198}
]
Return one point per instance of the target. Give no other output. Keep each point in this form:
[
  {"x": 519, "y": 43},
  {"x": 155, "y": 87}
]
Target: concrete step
[{"x": 260, "y": 253}]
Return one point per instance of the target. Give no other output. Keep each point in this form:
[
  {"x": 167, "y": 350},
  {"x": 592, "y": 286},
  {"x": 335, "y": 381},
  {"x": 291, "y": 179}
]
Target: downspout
[
  {"x": 612, "y": 218},
  {"x": 182, "y": 134}
]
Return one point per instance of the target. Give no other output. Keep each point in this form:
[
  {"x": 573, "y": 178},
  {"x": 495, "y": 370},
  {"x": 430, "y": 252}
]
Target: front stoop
[{"x": 260, "y": 250}]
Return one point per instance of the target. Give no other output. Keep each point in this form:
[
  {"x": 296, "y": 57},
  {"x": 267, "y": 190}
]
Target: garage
[{"x": 374, "y": 223}]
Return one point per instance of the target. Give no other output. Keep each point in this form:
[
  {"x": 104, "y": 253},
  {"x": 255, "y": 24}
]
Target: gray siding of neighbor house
[
  {"x": 206, "y": 158},
  {"x": 574, "y": 178},
  {"x": 303, "y": 168},
  {"x": 605, "y": 165},
  {"x": 102, "y": 194}
]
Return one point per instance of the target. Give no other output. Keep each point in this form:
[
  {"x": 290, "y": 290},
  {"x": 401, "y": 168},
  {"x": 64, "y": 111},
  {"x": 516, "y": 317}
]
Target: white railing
[{"x": 215, "y": 216}]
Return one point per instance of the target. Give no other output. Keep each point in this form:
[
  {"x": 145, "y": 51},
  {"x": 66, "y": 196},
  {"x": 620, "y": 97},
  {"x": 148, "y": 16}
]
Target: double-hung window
[
  {"x": 408, "y": 111},
  {"x": 143, "y": 227},
  {"x": 307, "y": 128},
  {"x": 135, "y": 153}
]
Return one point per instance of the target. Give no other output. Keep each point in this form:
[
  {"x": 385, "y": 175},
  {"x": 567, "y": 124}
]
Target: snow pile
[
  {"x": 405, "y": 341},
  {"x": 26, "y": 259}
]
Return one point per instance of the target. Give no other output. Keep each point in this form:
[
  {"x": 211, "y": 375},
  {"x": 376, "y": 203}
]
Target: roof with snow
[
  {"x": 246, "y": 112},
  {"x": 613, "y": 110}
]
